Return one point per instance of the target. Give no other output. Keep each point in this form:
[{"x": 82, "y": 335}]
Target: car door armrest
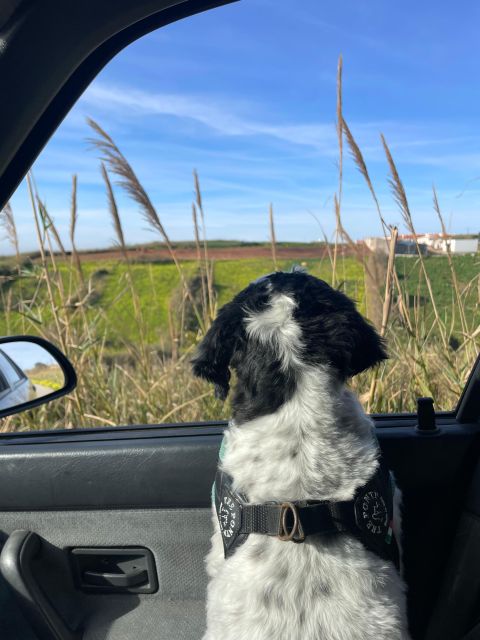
[{"x": 15, "y": 566}]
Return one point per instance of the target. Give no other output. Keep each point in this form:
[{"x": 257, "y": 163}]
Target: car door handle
[
  {"x": 135, "y": 578},
  {"x": 114, "y": 570},
  {"x": 16, "y": 558}
]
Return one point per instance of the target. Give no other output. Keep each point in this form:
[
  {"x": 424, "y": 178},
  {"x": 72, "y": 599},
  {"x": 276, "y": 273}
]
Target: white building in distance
[
  {"x": 457, "y": 244},
  {"x": 429, "y": 243},
  {"x": 403, "y": 246}
]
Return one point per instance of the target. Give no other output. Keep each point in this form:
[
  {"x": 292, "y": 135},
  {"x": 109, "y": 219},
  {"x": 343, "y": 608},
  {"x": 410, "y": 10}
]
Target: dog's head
[{"x": 277, "y": 325}]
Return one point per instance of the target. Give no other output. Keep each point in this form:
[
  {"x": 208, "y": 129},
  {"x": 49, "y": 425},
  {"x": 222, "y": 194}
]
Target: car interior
[{"x": 103, "y": 532}]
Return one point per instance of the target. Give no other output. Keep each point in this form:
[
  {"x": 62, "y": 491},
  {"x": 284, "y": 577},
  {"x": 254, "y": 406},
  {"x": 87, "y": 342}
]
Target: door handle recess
[
  {"x": 135, "y": 578},
  {"x": 16, "y": 558},
  {"x": 114, "y": 570}
]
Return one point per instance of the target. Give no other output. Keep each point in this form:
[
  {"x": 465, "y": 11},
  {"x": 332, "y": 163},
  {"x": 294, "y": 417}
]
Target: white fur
[
  {"x": 276, "y": 326},
  {"x": 318, "y": 445}
]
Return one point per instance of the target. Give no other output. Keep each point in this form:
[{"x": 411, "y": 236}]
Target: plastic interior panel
[
  {"x": 67, "y": 490},
  {"x": 179, "y": 541},
  {"x": 456, "y": 613},
  {"x": 102, "y": 569}
]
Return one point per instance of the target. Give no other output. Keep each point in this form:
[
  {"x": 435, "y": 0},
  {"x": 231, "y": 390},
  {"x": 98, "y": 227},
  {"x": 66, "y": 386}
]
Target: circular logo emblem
[
  {"x": 227, "y": 516},
  {"x": 372, "y": 513}
]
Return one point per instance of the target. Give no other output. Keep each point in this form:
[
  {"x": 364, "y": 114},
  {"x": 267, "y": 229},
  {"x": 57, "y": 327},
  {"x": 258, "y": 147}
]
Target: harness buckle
[{"x": 290, "y": 531}]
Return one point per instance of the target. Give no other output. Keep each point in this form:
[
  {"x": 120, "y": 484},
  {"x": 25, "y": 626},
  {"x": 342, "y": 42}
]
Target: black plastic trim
[
  {"x": 174, "y": 468},
  {"x": 71, "y": 43},
  {"x": 144, "y": 430},
  {"x": 15, "y": 565},
  {"x": 67, "y": 369},
  {"x": 112, "y": 433},
  {"x": 468, "y": 408},
  {"x": 129, "y": 569}
]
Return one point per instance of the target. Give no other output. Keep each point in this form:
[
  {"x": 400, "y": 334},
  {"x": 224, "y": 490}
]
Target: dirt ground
[{"x": 147, "y": 254}]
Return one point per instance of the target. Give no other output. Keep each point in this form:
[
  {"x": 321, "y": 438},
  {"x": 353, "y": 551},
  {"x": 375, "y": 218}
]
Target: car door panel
[
  {"x": 115, "y": 492},
  {"x": 150, "y": 487},
  {"x": 460, "y": 588},
  {"x": 64, "y": 472},
  {"x": 178, "y": 539}
]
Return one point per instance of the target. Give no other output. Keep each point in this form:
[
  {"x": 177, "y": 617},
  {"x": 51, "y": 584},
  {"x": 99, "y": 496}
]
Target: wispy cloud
[
  {"x": 220, "y": 116},
  {"x": 223, "y": 117}
]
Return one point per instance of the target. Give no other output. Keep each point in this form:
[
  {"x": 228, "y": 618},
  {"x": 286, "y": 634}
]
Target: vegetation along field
[{"x": 129, "y": 318}]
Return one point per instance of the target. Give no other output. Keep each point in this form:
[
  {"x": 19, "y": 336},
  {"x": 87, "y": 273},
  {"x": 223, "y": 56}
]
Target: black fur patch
[
  {"x": 333, "y": 331},
  {"x": 262, "y": 384},
  {"x": 226, "y": 335},
  {"x": 212, "y": 360}
]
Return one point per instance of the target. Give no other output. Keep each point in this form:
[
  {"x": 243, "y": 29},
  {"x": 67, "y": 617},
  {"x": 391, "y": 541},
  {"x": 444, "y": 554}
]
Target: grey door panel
[
  {"x": 150, "y": 487},
  {"x": 178, "y": 539},
  {"x": 134, "y": 488},
  {"x": 166, "y": 469}
]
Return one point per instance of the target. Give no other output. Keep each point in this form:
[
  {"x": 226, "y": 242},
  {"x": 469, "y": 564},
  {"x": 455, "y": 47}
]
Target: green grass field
[
  {"x": 109, "y": 307},
  {"x": 158, "y": 288},
  {"x": 467, "y": 269}
]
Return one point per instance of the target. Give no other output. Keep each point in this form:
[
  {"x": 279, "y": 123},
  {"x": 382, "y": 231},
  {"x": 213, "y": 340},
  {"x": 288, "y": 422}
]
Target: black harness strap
[
  {"x": 368, "y": 516},
  {"x": 296, "y": 520}
]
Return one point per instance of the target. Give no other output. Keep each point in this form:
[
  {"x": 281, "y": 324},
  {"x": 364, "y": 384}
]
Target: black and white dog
[{"x": 300, "y": 463}]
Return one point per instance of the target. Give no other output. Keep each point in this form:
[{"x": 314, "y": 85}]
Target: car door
[{"x": 107, "y": 529}]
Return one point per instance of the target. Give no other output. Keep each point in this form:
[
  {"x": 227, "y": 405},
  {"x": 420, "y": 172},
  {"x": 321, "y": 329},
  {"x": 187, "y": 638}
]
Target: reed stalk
[
  {"x": 120, "y": 238},
  {"x": 387, "y": 307},
  {"x": 400, "y": 197},
  {"x": 201, "y": 270},
  {"x": 273, "y": 239},
  {"x": 73, "y": 227},
  {"x": 118, "y": 165},
  {"x": 7, "y": 220},
  {"x": 338, "y": 195},
  {"x": 453, "y": 272},
  {"x": 208, "y": 274}
]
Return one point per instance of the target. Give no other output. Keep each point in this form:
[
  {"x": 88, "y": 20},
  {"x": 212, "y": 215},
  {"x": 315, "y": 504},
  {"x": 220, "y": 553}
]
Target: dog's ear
[
  {"x": 333, "y": 331},
  {"x": 368, "y": 348},
  {"x": 215, "y": 351}
]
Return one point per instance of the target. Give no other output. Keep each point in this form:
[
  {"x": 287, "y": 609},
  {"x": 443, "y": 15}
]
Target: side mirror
[{"x": 32, "y": 371}]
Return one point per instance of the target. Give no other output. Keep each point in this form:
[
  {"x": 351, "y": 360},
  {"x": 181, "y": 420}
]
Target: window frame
[
  {"x": 111, "y": 26},
  {"x": 65, "y": 65}
]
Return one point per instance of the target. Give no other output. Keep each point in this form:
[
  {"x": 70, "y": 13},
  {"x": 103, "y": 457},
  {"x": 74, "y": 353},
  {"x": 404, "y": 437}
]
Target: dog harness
[{"x": 368, "y": 516}]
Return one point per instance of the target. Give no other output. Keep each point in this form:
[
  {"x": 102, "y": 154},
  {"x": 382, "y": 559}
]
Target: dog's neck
[{"x": 318, "y": 445}]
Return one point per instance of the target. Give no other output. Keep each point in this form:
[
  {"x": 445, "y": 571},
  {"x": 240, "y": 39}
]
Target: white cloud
[
  {"x": 221, "y": 117},
  {"x": 224, "y": 117}
]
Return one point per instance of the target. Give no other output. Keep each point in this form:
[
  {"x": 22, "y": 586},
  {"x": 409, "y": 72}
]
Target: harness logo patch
[
  {"x": 227, "y": 517},
  {"x": 373, "y": 513}
]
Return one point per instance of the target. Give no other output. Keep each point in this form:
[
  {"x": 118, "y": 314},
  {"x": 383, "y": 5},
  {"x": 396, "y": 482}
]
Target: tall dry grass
[
  {"x": 424, "y": 358},
  {"x": 148, "y": 383},
  {"x": 144, "y": 383}
]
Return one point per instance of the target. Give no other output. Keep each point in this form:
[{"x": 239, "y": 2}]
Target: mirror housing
[{"x": 32, "y": 372}]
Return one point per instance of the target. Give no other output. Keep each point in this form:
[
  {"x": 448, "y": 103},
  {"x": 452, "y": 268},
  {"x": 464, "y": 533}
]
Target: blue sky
[
  {"x": 246, "y": 95},
  {"x": 27, "y": 354}
]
